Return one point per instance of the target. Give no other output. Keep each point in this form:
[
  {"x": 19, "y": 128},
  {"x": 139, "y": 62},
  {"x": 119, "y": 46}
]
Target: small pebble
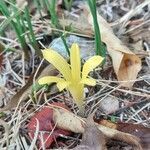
[{"x": 109, "y": 104}]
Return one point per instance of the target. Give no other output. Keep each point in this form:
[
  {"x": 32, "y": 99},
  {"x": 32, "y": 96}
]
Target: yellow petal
[
  {"x": 90, "y": 64},
  {"x": 58, "y": 61},
  {"x": 75, "y": 62},
  {"x": 50, "y": 79},
  {"x": 91, "y": 82},
  {"x": 62, "y": 85}
]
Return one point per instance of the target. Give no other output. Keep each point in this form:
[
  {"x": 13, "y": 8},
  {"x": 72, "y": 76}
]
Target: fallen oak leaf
[
  {"x": 69, "y": 121},
  {"x": 24, "y": 92},
  {"x": 46, "y": 126}
]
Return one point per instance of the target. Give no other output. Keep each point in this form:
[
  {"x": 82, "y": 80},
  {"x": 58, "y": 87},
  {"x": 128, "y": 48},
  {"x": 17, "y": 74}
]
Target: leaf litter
[{"x": 15, "y": 72}]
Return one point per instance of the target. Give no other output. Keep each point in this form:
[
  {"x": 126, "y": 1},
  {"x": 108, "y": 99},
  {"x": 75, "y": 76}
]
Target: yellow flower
[{"x": 73, "y": 79}]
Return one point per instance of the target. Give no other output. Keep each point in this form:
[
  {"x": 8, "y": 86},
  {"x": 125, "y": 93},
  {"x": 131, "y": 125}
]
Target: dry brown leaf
[
  {"x": 69, "y": 121},
  {"x": 92, "y": 137},
  {"x": 135, "y": 129},
  {"x": 25, "y": 91},
  {"x": 138, "y": 130},
  {"x": 126, "y": 64}
]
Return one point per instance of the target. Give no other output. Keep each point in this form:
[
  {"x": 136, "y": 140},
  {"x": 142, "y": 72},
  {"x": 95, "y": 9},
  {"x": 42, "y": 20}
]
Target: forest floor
[{"x": 114, "y": 106}]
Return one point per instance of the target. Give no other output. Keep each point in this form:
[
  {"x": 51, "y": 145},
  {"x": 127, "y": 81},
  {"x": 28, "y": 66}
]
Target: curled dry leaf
[
  {"x": 126, "y": 64},
  {"x": 69, "y": 121},
  {"x": 46, "y": 126}
]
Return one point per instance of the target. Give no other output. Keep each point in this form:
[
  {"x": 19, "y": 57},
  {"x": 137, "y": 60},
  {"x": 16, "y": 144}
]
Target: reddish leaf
[{"x": 45, "y": 118}]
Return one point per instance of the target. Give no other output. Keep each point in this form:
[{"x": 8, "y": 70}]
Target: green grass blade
[
  {"x": 28, "y": 19},
  {"x": 98, "y": 43},
  {"x": 8, "y": 21},
  {"x": 52, "y": 10},
  {"x": 14, "y": 21},
  {"x": 65, "y": 44},
  {"x": 33, "y": 39}
]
